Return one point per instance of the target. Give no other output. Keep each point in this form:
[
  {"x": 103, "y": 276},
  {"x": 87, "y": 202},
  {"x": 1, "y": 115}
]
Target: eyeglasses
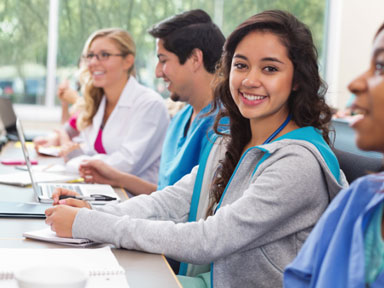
[{"x": 102, "y": 56}]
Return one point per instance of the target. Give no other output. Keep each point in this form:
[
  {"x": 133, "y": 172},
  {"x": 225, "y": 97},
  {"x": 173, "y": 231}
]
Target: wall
[{"x": 352, "y": 26}]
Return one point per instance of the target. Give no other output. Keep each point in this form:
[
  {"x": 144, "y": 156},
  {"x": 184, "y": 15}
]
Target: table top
[{"x": 142, "y": 269}]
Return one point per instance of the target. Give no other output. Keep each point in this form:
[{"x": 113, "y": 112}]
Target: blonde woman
[{"x": 112, "y": 123}]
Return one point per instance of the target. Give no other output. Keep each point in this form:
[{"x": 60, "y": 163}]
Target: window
[
  {"x": 23, "y": 42},
  {"x": 24, "y": 31}
]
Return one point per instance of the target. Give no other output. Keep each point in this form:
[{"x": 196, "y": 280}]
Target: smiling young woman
[{"x": 346, "y": 248}]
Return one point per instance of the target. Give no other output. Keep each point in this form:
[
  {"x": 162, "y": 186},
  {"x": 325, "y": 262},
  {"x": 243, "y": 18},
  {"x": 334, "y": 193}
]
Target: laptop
[
  {"x": 44, "y": 191},
  {"x": 8, "y": 117}
]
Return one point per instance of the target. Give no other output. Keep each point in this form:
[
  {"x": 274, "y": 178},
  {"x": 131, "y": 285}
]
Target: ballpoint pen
[{"x": 89, "y": 198}]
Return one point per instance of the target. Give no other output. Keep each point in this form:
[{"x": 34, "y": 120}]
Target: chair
[{"x": 355, "y": 166}]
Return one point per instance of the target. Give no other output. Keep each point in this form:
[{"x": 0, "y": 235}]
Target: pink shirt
[{"x": 98, "y": 143}]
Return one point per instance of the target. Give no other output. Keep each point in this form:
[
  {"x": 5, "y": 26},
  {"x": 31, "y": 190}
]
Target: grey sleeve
[
  {"x": 286, "y": 196},
  {"x": 173, "y": 202}
]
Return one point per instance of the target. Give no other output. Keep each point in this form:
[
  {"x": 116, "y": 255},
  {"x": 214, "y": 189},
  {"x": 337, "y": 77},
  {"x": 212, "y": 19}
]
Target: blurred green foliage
[{"x": 24, "y": 25}]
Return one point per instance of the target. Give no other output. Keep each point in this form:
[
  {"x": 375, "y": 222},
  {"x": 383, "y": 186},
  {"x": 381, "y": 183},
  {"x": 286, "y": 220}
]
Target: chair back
[{"x": 355, "y": 166}]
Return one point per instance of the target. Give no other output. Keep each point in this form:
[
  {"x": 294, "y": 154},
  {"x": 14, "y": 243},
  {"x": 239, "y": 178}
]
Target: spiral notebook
[{"x": 101, "y": 265}]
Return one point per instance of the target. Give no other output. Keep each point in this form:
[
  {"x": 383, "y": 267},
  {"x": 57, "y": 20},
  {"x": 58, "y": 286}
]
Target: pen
[
  {"x": 89, "y": 198},
  {"x": 17, "y": 162}
]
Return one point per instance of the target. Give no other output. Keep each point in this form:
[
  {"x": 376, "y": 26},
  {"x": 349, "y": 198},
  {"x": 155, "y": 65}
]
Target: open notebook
[{"x": 103, "y": 269}]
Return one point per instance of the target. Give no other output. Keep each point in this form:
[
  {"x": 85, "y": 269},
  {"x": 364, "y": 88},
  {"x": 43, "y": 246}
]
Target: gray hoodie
[{"x": 266, "y": 213}]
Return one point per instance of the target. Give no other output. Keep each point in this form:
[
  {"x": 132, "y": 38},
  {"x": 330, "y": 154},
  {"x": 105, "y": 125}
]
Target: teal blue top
[
  {"x": 374, "y": 247},
  {"x": 181, "y": 149}
]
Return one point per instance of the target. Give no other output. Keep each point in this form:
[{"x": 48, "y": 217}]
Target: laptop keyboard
[{"x": 51, "y": 188}]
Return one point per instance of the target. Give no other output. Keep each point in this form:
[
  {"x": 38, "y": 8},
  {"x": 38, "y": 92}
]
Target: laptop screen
[
  {"x": 20, "y": 132},
  {"x": 8, "y": 116}
]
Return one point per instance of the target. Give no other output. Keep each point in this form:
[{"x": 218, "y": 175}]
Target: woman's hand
[
  {"x": 46, "y": 141},
  {"x": 61, "y": 219},
  {"x": 58, "y": 138},
  {"x": 97, "y": 171},
  {"x": 68, "y": 201}
]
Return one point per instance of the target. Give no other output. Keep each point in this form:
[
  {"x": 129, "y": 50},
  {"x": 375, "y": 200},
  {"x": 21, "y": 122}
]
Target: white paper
[
  {"x": 100, "y": 264},
  {"x": 50, "y": 151}
]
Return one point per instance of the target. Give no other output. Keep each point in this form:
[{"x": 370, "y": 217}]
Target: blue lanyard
[{"x": 278, "y": 130}]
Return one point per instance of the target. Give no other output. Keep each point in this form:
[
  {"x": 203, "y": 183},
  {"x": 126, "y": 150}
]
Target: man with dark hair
[
  {"x": 183, "y": 33},
  {"x": 189, "y": 46}
]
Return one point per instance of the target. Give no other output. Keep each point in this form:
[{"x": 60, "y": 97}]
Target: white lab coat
[{"x": 133, "y": 134}]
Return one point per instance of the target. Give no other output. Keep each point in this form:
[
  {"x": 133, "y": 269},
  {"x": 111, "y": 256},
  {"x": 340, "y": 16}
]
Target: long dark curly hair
[{"x": 306, "y": 103}]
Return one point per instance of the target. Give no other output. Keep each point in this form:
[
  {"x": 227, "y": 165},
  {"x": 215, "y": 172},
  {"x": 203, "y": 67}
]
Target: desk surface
[{"x": 142, "y": 269}]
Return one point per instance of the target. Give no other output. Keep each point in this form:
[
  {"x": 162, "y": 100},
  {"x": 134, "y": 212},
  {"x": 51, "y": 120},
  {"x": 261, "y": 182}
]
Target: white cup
[{"x": 51, "y": 277}]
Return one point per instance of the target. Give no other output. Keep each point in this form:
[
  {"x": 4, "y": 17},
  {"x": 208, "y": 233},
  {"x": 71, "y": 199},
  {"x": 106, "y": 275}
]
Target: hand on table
[
  {"x": 97, "y": 171},
  {"x": 61, "y": 218},
  {"x": 68, "y": 201},
  {"x": 58, "y": 138},
  {"x": 46, "y": 141},
  {"x": 62, "y": 215}
]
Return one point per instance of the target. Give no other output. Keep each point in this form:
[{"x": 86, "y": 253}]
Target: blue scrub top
[
  {"x": 333, "y": 254},
  {"x": 182, "y": 152}
]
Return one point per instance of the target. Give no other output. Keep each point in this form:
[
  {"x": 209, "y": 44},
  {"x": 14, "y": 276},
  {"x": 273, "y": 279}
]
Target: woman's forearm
[{"x": 134, "y": 184}]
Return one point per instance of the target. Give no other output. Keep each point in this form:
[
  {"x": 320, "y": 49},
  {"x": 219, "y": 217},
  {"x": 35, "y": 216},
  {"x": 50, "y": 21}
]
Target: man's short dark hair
[{"x": 189, "y": 30}]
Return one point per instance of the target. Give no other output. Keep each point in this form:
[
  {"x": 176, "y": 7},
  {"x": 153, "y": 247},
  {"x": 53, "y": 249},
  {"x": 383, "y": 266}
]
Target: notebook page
[{"x": 100, "y": 264}]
